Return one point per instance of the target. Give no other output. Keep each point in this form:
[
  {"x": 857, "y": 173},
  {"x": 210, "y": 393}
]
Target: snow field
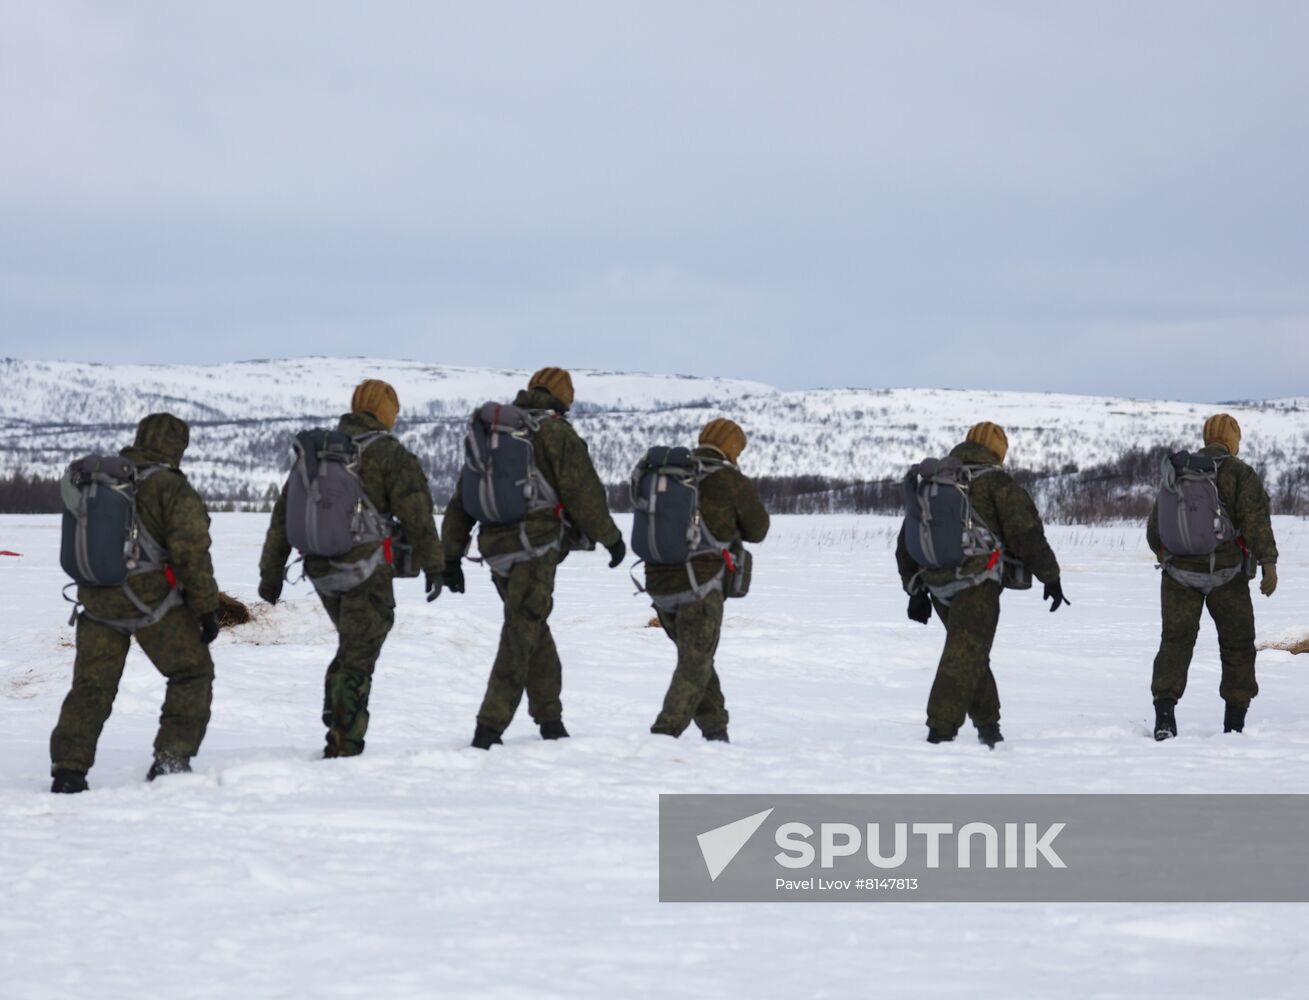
[{"x": 425, "y": 868}]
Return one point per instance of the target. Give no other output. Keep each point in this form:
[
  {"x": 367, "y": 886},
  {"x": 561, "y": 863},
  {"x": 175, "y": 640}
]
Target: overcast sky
[{"x": 1099, "y": 197}]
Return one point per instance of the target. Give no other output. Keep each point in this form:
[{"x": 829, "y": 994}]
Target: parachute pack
[
  {"x": 328, "y": 513},
  {"x": 501, "y": 484},
  {"x": 1193, "y": 521},
  {"x": 669, "y": 530},
  {"x": 104, "y": 542},
  {"x": 943, "y": 531}
]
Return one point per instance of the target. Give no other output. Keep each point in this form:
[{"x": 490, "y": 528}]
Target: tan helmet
[
  {"x": 991, "y": 437},
  {"x": 557, "y": 382},
  {"x": 726, "y": 436},
  {"x": 374, "y": 396},
  {"x": 1223, "y": 429}
]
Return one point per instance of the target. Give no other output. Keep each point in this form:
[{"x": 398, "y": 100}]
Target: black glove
[
  {"x": 1054, "y": 592},
  {"x": 453, "y": 576},
  {"x": 209, "y": 627},
  {"x": 433, "y": 579},
  {"x": 270, "y": 591},
  {"x": 920, "y": 607},
  {"x": 617, "y": 552}
]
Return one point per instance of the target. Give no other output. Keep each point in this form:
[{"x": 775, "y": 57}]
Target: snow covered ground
[{"x": 426, "y": 868}]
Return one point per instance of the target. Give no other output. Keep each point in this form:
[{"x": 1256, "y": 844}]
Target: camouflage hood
[
  {"x": 358, "y": 423},
  {"x": 161, "y": 439},
  {"x": 539, "y": 399},
  {"x": 971, "y": 453}
]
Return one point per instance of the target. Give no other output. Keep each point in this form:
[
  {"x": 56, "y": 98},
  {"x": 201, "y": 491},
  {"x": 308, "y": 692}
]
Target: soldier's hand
[
  {"x": 270, "y": 591},
  {"x": 1054, "y": 593},
  {"x": 433, "y": 580},
  {"x": 1269, "y": 583},
  {"x": 617, "y": 552},
  {"x": 920, "y": 607},
  {"x": 209, "y": 627},
  {"x": 453, "y": 576}
]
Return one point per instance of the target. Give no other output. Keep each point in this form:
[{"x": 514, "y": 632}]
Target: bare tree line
[{"x": 1122, "y": 489}]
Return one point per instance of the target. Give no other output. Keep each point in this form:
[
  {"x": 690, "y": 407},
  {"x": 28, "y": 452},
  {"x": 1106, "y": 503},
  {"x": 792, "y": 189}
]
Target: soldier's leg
[
  {"x": 545, "y": 680},
  {"x": 711, "y": 715},
  {"x": 985, "y": 707},
  {"x": 97, "y": 669},
  {"x": 175, "y": 648},
  {"x": 332, "y": 605},
  {"x": 1180, "y": 608},
  {"x": 969, "y": 633},
  {"x": 528, "y": 595},
  {"x": 695, "y": 628},
  {"x": 363, "y": 618},
  {"x": 1233, "y": 616}
]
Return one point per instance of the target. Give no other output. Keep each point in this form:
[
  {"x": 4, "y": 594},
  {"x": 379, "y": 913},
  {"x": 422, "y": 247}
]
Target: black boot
[
  {"x": 168, "y": 763},
  {"x": 936, "y": 736},
  {"x": 484, "y": 737},
  {"x": 717, "y": 736},
  {"x": 1165, "y": 723},
  {"x": 989, "y": 734},
  {"x": 553, "y": 729},
  {"x": 1234, "y": 717},
  {"x": 68, "y": 781}
]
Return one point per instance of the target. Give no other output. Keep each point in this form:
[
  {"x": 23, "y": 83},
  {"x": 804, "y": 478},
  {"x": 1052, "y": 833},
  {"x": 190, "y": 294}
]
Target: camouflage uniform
[
  {"x": 527, "y": 658},
  {"x": 1243, "y": 496},
  {"x": 394, "y": 482},
  {"x": 730, "y": 506},
  {"x": 173, "y": 513},
  {"x": 964, "y": 684}
]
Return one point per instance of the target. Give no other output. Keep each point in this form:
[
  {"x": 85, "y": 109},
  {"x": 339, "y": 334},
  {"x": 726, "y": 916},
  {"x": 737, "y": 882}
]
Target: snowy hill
[{"x": 243, "y": 415}]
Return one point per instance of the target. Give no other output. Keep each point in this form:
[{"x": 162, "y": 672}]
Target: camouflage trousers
[
  {"x": 173, "y": 645},
  {"x": 695, "y": 692},
  {"x": 964, "y": 684},
  {"x": 1233, "y": 615},
  {"x": 527, "y": 659},
  {"x": 363, "y": 617}
]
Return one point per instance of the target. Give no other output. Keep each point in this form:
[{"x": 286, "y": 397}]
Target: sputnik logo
[{"x": 720, "y": 845}]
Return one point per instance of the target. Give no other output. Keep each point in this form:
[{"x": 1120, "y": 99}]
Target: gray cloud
[{"x": 1083, "y": 196}]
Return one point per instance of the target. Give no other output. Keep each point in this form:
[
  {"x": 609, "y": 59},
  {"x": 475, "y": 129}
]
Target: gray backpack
[
  {"x": 327, "y": 511},
  {"x": 943, "y": 531},
  {"x": 500, "y": 482},
  {"x": 103, "y": 541},
  {"x": 1192, "y": 521},
  {"x": 669, "y": 530}
]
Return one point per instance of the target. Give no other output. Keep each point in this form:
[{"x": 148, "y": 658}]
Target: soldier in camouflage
[
  {"x": 1242, "y": 495},
  {"x": 527, "y": 659},
  {"x": 177, "y": 644},
  {"x": 730, "y": 507},
  {"x": 964, "y": 684},
  {"x": 393, "y": 480}
]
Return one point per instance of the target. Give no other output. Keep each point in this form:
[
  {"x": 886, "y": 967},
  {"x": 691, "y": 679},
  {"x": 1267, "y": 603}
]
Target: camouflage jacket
[
  {"x": 565, "y": 462},
  {"x": 1004, "y": 507},
  {"x": 1243, "y": 496},
  {"x": 172, "y": 511},
  {"x": 396, "y": 485},
  {"x": 730, "y": 506}
]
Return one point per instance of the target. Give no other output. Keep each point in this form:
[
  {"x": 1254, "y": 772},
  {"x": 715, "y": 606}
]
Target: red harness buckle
[
  {"x": 731, "y": 563},
  {"x": 386, "y": 552},
  {"x": 995, "y": 558},
  {"x": 170, "y": 576}
]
